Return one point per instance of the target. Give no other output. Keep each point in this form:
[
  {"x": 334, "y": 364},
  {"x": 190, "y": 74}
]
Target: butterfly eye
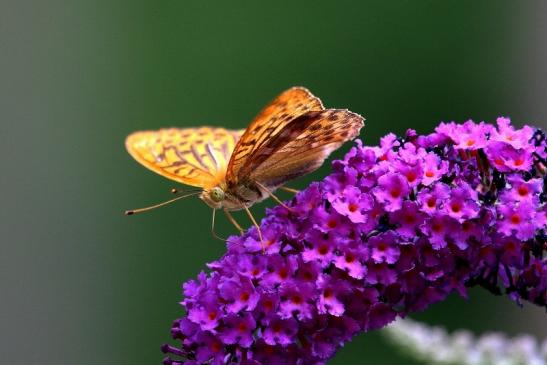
[{"x": 217, "y": 194}]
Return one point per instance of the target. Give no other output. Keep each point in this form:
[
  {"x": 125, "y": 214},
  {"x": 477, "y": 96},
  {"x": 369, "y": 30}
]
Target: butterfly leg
[
  {"x": 232, "y": 220},
  {"x": 213, "y": 227},
  {"x": 256, "y": 225},
  {"x": 294, "y": 191},
  {"x": 273, "y": 196}
]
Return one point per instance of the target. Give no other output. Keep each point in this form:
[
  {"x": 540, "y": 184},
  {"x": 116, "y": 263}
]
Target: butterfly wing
[
  {"x": 268, "y": 123},
  {"x": 192, "y": 156},
  {"x": 301, "y": 147}
]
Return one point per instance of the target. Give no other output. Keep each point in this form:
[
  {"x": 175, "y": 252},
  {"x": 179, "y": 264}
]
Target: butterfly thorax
[{"x": 233, "y": 197}]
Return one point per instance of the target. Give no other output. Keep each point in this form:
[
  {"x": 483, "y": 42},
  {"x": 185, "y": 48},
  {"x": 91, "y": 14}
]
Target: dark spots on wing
[
  {"x": 315, "y": 127},
  {"x": 160, "y": 157},
  {"x": 333, "y": 117},
  {"x": 328, "y": 128},
  {"x": 198, "y": 141},
  {"x": 189, "y": 172}
]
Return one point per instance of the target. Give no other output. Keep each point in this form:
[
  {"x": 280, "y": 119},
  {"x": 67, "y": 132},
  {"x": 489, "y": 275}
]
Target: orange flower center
[
  {"x": 395, "y": 193},
  {"x": 244, "y": 296},
  {"x": 436, "y": 227},
  {"x": 268, "y": 305},
  {"x": 242, "y": 327},
  {"x": 456, "y": 207},
  {"x": 296, "y": 299},
  {"x": 510, "y": 246},
  {"x": 515, "y": 219},
  {"x": 523, "y": 190},
  {"x": 466, "y": 226},
  {"x": 409, "y": 219},
  {"x": 411, "y": 176},
  {"x": 323, "y": 250},
  {"x": 216, "y": 346}
]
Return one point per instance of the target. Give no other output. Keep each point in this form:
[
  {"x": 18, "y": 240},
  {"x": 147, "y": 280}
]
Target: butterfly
[{"x": 291, "y": 137}]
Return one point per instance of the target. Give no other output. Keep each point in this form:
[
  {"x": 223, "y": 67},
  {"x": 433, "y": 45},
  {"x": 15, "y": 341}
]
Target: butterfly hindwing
[
  {"x": 268, "y": 123},
  {"x": 301, "y": 147},
  {"x": 192, "y": 156}
]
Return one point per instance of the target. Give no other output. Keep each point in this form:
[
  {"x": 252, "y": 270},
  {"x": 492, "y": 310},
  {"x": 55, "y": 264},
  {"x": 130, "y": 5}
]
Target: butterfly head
[{"x": 214, "y": 197}]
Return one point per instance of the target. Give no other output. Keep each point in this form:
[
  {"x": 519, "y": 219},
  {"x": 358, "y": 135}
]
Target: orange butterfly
[{"x": 291, "y": 137}]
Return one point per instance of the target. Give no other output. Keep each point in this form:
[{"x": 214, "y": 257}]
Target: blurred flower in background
[{"x": 434, "y": 345}]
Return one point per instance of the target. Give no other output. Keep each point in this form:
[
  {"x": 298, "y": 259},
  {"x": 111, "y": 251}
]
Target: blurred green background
[{"x": 83, "y": 284}]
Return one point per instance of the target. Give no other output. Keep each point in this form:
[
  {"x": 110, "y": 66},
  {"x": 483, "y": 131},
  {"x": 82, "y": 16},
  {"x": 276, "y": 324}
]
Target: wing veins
[{"x": 270, "y": 121}]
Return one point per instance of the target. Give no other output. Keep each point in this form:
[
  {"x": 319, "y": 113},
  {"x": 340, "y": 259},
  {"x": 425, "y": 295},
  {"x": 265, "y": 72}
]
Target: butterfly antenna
[
  {"x": 177, "y": 191},
  {"x": 135, "y": 211}
]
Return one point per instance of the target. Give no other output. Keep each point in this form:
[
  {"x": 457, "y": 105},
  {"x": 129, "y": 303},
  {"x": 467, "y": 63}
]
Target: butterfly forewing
[
  {"x": 268, "y": 123},
  {"x": 192, "y": 156},
  {"x": 301, "y": 147}
]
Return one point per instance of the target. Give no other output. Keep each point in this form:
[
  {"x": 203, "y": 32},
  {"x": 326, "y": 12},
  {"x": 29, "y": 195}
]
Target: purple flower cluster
[{"x": 392, "y": 230}]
